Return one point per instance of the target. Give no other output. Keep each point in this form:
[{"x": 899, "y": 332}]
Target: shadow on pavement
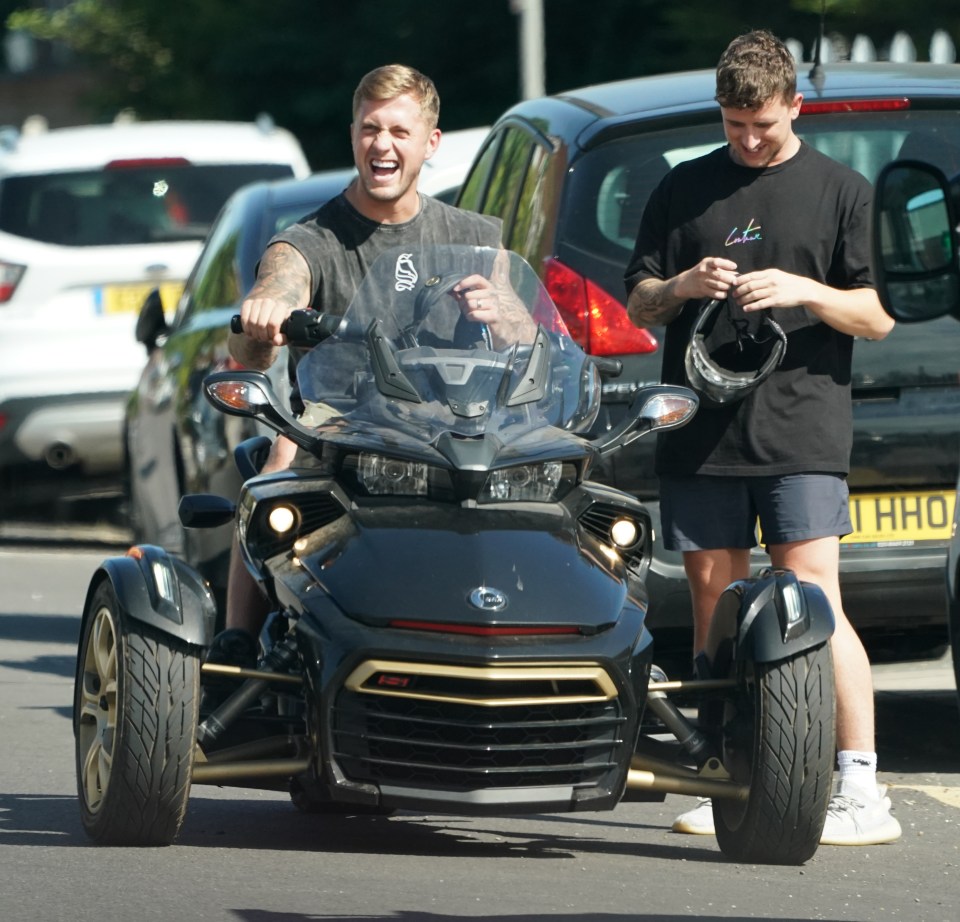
[{"x": 918, "y": 731}]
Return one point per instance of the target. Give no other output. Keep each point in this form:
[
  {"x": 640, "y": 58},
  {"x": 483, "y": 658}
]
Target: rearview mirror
[
  {"x": 654, "y": 407},
  {"x": 915, "y": 242},
  {"x": 249, "y": 394},
  {"x": 151, "y": 322}
]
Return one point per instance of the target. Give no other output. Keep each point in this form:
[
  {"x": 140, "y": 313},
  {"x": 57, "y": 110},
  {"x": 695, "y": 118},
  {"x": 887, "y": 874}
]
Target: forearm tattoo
[
  {"x": 651, "y": 304},
  {"x": 283, "y": 276}
]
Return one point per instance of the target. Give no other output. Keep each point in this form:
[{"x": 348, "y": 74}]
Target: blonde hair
[
  {"x": 755, "y": 68},
  {"x": 394, "y": 80}
]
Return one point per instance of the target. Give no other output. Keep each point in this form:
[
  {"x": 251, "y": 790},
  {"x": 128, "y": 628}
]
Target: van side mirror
[
  {"x": 151, "y": 322},
  {"x": 915, "y": 246}
]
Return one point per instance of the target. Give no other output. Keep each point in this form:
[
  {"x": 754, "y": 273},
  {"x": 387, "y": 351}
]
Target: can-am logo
[{"x": 488, "y": 599}]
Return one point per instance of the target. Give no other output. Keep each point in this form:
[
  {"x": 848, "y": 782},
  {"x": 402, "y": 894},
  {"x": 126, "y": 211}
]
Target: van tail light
[
  {"x": 595, "y": 319},
  {"x": 10, "y": 275},
  {"x": 832, "y": 106}
]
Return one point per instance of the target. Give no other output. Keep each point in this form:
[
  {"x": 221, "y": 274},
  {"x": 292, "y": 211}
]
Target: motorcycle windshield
[{"x": 407, "y": 357}]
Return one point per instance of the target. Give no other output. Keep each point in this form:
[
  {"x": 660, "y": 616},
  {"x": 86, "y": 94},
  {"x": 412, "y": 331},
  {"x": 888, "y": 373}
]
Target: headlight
[
  {"x": 282, "y": 519},
  {"x": 536, "y": 483},
  {"x": 382, "y": 476},
  {"x": 624, "y": 533}
]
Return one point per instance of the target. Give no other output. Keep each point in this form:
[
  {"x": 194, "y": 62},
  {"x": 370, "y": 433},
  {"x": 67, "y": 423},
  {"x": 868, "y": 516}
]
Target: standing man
[
  {"x": 776, "y": 229},
  {"x": 320, "y": 261}
]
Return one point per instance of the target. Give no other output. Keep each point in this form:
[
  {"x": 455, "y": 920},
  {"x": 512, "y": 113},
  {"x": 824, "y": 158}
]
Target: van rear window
[{"x": 611, "y": 184}]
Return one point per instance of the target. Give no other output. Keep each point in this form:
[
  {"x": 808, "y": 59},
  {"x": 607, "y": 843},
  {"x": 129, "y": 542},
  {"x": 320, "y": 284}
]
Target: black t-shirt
[
  {"x": 340, "y": 244},
  {"x": 808, "y": 216}
]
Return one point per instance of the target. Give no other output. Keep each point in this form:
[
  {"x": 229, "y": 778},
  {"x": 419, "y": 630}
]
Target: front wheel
[
  {"x": 779, "y": 737},
  {"x": 135, "y": 724}
]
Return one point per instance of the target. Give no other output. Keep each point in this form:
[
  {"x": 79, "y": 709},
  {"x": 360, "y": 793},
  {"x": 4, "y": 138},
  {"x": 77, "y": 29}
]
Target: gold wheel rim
[{"x": 97, "y": 709}]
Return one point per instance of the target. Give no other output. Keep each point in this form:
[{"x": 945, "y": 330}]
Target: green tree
[{"x": 300, "y": 60}]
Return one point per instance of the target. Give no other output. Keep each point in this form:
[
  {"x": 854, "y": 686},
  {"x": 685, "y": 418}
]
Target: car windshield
[
  {"x": 133, "y": 203},
  {"x": 406, "y": 358}
]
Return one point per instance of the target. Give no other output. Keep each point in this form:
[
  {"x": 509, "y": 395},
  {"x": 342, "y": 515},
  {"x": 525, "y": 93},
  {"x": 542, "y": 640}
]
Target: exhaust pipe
[{"x": 59, "y": 456}]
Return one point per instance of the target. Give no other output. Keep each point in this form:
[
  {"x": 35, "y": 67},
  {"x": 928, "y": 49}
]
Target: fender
[
  {"x": 767, "y": 618},
  {"x": 158, "y": 589}
]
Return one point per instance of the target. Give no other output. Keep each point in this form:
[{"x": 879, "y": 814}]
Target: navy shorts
[{"x": 703, "y": 512}]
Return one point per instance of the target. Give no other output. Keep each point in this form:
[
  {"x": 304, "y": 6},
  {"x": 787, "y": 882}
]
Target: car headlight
[
  {"x": 536, "y": 483},
  {"x": 383, "y": 476}
]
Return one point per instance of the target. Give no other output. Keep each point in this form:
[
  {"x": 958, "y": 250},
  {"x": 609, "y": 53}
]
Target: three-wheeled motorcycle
[{"x": 458, "y": 610}]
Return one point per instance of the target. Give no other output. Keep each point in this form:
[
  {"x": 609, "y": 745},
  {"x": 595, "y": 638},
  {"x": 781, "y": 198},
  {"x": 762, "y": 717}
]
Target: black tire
[
  {"x": 779, "y": 737},
  {"x": 135, "y": 725}
]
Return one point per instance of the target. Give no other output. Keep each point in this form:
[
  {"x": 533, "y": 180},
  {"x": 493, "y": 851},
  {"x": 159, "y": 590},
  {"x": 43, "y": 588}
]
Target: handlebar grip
[
  {"x": 305, "y": 327},
  {"x": 608, "y": 368},
  {"x": 310, "y": 327}
]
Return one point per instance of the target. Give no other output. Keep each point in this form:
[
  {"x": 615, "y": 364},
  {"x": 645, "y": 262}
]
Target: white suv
[{"x": 91, "y": 220}]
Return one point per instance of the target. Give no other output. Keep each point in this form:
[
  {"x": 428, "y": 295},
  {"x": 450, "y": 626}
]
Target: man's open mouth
[{"x": 384, "y": 168}]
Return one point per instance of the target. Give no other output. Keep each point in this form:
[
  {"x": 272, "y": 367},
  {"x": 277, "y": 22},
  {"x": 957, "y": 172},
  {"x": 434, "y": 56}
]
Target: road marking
[{"x": 948, "y": 796}]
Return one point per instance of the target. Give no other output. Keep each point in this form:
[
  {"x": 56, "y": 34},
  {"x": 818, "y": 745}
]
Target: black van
[{"x": 570, "y": 175}]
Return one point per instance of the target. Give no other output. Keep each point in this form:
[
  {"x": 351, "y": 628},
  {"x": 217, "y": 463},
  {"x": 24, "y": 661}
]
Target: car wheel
[
  {"x": 135, "y": 724},
  {"x": 779, "y": 737}
]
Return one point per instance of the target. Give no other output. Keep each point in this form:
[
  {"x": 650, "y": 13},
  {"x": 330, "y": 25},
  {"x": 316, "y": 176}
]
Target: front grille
[
  {"x": 318, "y": 510},
  {"x": 461, "y": 729}
]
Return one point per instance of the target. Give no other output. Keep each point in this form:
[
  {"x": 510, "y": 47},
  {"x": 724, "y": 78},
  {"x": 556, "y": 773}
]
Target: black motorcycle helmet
[{"x": 711, "y": 375}]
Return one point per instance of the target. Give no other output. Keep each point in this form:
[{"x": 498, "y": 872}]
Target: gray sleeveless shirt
[{"x": 340, "y": 244}]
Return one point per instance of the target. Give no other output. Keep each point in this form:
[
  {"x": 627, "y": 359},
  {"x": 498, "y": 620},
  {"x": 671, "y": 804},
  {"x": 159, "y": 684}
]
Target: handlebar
[{"x": 309, "y": 327}]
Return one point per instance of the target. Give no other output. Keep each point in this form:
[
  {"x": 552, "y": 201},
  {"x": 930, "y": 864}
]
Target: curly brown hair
[
  {"x": 755, "y": 68},
  {"x": 394, "y": 80}
]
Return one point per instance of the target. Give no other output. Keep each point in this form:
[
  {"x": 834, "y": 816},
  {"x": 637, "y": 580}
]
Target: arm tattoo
[
  {"x": 252, "y": 354},
  {"x": 651, "y": 304},
  {"x": 284, "y": 276}
]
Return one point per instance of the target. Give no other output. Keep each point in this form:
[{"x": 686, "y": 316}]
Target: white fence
[{"x": 901, "y": 48}]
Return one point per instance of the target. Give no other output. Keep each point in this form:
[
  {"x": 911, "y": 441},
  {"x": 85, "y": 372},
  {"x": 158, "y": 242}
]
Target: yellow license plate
[
  {"x": 901, "y": 519},
  {"x": 128, "y": 299}
]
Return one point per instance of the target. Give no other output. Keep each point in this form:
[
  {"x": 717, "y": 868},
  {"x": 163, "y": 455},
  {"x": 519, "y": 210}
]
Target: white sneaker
[
  {"x": 698, "y": 821},
  {"x": 856, "y": 818}
]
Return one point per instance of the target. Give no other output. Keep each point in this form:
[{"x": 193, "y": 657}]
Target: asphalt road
[{"x": 247, "y": 856}]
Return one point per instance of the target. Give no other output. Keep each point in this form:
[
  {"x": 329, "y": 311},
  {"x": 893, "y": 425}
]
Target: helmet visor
[{"x": 719, "y": 375}]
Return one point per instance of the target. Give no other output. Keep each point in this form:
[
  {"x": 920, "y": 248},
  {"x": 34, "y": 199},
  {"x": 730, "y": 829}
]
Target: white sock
[{"x": 859, "y": 769}]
